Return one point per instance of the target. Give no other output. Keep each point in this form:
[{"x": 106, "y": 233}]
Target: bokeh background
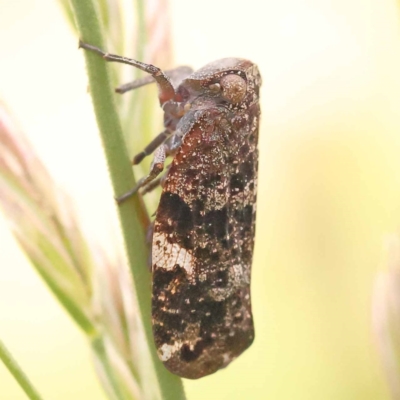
[{"x": 329, "y": 188}]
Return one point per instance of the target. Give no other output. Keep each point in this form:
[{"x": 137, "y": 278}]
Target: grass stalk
[
  {"x": 18, "y": 374},
  {"x": 132, "y": 213}
]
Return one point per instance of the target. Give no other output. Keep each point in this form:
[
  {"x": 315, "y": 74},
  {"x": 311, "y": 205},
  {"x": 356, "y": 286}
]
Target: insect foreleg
[
  {"x": 159, "y": 181},
  {"x": 137, "y": 83},
  {"x": 165, "y": 88},
  {"x": 156, "y": 168},
  {"x": 176, "y": 75},
  {"x": 157, "y": 141}
]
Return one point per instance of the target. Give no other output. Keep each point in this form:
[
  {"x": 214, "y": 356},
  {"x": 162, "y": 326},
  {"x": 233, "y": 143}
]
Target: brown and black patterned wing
[{"x": 203, "y": 245}]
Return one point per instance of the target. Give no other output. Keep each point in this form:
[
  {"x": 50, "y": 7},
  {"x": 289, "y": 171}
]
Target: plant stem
[
  {"x": 18, "y": 374},
  {"x": 98, "y": 348},
  {"x": 132, "y": 213}
]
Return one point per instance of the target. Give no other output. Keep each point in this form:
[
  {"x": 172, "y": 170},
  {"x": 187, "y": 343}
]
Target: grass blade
[
  {"x": 18, "y": 374},
  {"x": 132, "y": 213}
]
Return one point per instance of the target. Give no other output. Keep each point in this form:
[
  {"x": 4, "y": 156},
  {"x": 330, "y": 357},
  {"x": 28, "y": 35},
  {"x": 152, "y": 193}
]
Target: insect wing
[{"x": 203, "y": 244}]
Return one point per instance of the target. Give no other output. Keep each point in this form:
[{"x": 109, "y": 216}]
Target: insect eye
[{"x": 233, "y": 88}]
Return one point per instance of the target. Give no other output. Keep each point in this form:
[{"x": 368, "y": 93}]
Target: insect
[{"x": 204, "y": 226}]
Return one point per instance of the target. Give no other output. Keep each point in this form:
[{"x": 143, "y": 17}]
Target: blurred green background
[{"x": 329, "y": 188}]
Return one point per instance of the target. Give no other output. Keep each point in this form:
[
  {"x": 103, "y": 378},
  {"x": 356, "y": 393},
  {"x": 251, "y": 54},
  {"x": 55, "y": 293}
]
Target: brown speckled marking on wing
[{"x": 203, "y": 244}]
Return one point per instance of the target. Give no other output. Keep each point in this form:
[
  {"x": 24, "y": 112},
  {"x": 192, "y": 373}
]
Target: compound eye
[{"x": 233, "y": 88}]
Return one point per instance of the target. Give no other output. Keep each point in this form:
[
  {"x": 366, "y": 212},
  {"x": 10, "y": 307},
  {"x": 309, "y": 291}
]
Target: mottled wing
[{"x": 203, "y": 244}]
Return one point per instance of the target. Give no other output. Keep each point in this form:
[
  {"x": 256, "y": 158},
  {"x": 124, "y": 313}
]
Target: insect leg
[
  {"x": 155, "y": 169},
  {"x": 137, "y": 83},
  {"x": 176, "y": 75},
  {"x": 165, "y": 89},
  {"x": 159, "y": 181},
  {"x": 151, "y": 185},
  {"x": 159, "y": 139}
]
